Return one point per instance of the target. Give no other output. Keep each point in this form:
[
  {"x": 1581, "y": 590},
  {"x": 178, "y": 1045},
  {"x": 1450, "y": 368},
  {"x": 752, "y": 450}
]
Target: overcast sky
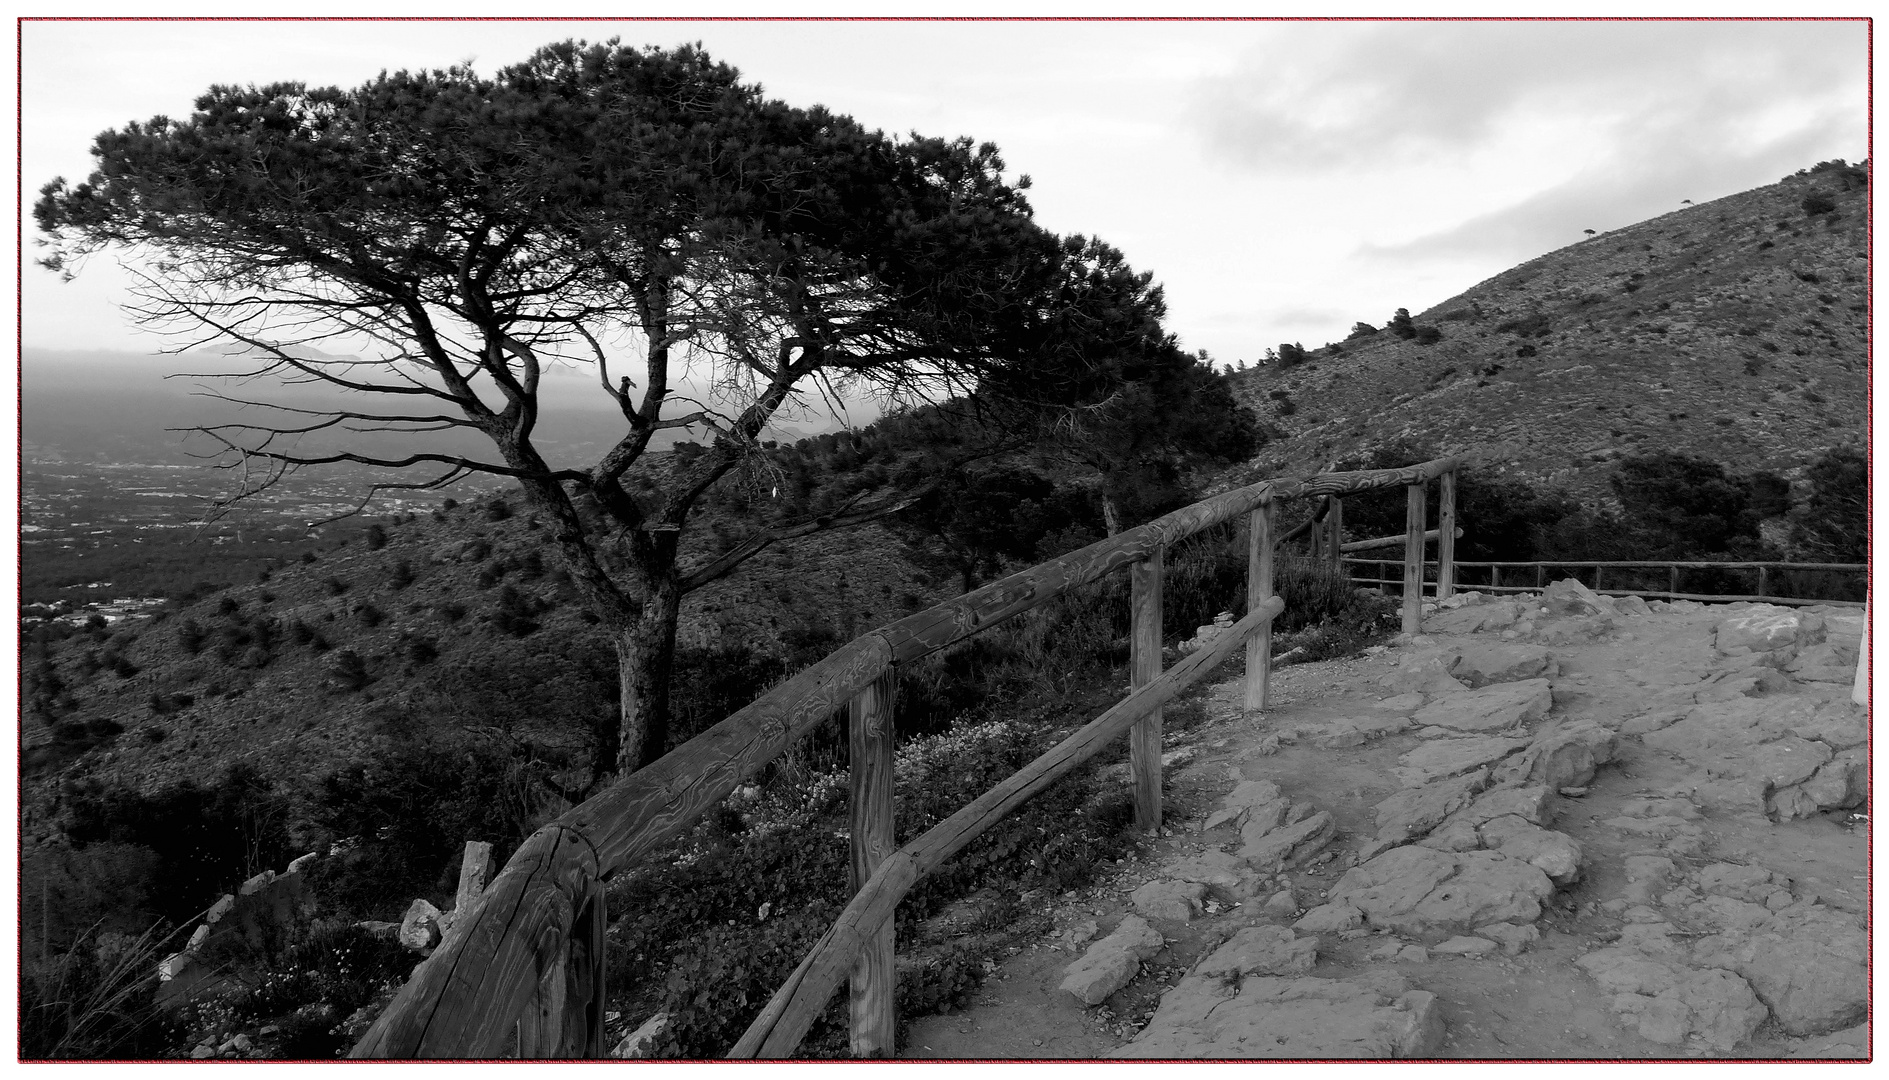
[{"x": 1283, "y": 180}]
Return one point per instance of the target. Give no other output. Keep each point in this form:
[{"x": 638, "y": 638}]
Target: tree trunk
[
  {"x": 646, "y": 654},
  {"x": 1111, "y": 514}
]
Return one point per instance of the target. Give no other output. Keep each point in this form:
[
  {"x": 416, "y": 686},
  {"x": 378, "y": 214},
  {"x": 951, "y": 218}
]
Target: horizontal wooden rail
[
  {"x": 778, "y": 1030},
  {"x": 1650, "y": 594},
  {"x": 1392, "y": 541},
  {"x": 470, "y": 997}
]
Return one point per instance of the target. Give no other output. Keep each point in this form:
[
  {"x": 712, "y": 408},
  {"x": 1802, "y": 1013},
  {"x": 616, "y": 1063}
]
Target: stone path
[{"x": 1556, "y": 825}]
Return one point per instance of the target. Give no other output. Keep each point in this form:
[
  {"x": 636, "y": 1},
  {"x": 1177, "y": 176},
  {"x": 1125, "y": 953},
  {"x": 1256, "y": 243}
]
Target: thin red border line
[{"x": 954, "y": 18}]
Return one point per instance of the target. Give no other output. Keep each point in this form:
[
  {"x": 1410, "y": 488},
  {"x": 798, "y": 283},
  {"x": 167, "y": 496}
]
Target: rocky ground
[{"x": 1551, "y": 826}]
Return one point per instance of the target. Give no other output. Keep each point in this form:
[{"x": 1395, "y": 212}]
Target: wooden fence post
[
  {"x": 1334, "y": 535},
  {"x": 1761, "y": 574},
  {"x": 1258, "y": 588},
  {"x": 1598, "y": 570},
  {"x": 1413, "y": 559},
  {"x": 1495, "y": 578},
  {"x": 1672, "y": 580},
  {"x": 1144, "y": 666},
  {"x": 1446, "y": 536},
  {"x": 874, "y": 1019}
]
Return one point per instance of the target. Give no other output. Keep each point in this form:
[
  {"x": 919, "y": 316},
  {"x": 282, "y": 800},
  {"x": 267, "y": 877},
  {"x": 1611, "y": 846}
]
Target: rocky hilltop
[{"x": 1736, "y": 330}]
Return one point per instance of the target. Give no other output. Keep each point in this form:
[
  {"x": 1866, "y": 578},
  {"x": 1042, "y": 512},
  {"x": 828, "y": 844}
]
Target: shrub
[
  {"x": 498, "y": 510},
  {"x": 1818, "y": 202},
  {"x": 402, "y": 816},
  {"x": 1535, "y": 324},
  {"x": 334, "y": 585},
  {"x": 1360, "y": 329},
  {"x": 401, "y": 575},
  {"x": 1400, "y": 324},
  {"x": 349, "y": 671},
  {"x": 1833, "y": 524},
  {"x": 1427, "y": 335},
  {"x": 207, "y": 836},
  {"x": 376, "y": 536},
  {"x": 191, "y": 635}
]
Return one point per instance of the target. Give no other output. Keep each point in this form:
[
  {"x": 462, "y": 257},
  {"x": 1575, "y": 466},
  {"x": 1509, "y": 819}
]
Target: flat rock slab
[
  {"x": 1807, "y": 965},
  {"x": 1225, "y": 875},
  {"x": 1176, "y": 900},
  {"x": 1240, "y": 803},
  {"x": 1474, "y": 619},
  {"x": 1268, "y": 853},
  {"x": 1111, "y": 963},
  {"x": 1445, "y": 758},
  {"x": 1492, "y": 708},
  {"x": 1674, "y": 1005},
  {"x": 1418, "y": 890},
  {"x": 1563, "y": 754},
  {"x": 1765, "y": 628},
  {"x": 1261, "y": 950},
  {"x": 1411, "y": 814},
  {"x": 1484, "y": 663},
  {"x": 1282, "y": 1018}
]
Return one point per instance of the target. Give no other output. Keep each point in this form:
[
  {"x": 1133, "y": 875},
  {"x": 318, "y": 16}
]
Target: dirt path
[{"x": 1693, "y": 756}]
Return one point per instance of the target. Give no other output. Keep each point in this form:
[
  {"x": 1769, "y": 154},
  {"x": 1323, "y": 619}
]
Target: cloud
[
  {"x": 1613, "y": 197},
  {"x": 1327, "y": 96}
]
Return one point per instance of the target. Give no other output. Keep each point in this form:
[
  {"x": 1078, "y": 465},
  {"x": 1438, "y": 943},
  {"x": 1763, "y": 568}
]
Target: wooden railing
[
  {"x": 1541, "y": 576},
  {"x": 521, "y": 974}
]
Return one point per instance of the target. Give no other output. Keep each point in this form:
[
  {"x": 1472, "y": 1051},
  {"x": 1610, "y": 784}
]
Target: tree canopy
[{"x": 435, "y": 243}]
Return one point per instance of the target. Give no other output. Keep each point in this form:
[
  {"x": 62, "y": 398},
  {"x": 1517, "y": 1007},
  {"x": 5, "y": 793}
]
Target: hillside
[
  {"x": 1735, "y": 330},
  {"x": 456, "y": 618}
]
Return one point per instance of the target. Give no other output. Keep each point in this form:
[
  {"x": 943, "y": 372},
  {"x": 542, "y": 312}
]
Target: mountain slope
[{"x": 1736, "y": 330}]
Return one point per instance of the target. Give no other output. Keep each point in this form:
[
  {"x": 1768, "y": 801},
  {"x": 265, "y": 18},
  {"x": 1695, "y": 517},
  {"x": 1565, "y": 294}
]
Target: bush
[
  {"x": 349, "y": 671},
  {"x": 1818, "y": 202},
  {"x": 1359, "y": 330},
  {"x": 207, "y": 837},
  {"x": 1833, "y": 524},
  {"x": 402, "y": 817},
  {"x": 335, "y": 586},
  {"x": 370, "y": 615},
  {"x": 376, "y": 536}
]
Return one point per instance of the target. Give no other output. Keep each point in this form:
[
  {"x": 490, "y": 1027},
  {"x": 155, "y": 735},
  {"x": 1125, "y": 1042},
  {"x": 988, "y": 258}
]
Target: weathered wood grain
[
  {"x": 874, "y": 1020},
  {"x": 1334, "y": 529},
  {"x": 1391, "y": 541},
  {"x": 786, "y": 1017},
  {"x": 1144, "y": 666},
  {"x": 1446, "y": 532},
  {"x": 479, "y": 994},
  {"x": 1259, "y": 587},
  {"x": 1413, "y": 559}
]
